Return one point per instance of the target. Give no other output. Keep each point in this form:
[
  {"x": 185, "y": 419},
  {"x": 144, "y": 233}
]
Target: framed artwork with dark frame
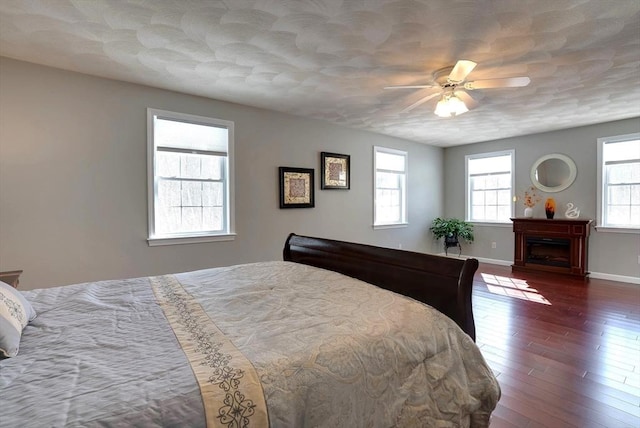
[
  {"x": 296, "y": 187},
  {"x": 335, "y": 169}
]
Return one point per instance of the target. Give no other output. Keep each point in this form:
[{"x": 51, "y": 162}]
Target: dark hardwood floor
[{"x": 566, "y": 352}]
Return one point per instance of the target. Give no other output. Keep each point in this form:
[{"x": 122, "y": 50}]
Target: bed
[{"x": 326, "y": 337}]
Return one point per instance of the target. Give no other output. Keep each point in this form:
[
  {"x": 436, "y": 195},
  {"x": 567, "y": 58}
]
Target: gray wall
[
  {"x": 73, "y": 184},
  {"x": 611, "y": 254}
]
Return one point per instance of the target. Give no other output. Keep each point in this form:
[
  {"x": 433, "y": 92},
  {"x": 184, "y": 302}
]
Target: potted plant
[{"x": 452, "y": 230}]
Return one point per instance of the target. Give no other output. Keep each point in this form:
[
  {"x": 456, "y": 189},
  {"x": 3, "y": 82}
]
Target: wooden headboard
[{"x": 441, "y": 282}]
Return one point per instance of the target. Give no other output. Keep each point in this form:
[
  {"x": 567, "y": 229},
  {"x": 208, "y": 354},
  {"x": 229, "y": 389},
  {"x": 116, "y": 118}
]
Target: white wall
[
  {"x": 611, "y": 255},
  {"x": 73, "y": 189}
]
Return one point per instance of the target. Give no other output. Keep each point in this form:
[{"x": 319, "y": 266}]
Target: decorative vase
[
  {"x": 528, "y": 212},
  {"x": 550, "y": 207}
]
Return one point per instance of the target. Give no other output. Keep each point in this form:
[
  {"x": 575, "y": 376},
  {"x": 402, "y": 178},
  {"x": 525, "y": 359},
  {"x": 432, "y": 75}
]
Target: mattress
[{"x": 327, "y": 350}]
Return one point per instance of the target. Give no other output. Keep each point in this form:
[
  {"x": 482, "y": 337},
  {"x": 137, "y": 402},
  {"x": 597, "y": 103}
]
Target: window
[
  {"x": 190, "y": 178},
  {"x": 619, "y": 181},
  {"x": 490, "y": 187},
  {"x": 390, "y": 193}
]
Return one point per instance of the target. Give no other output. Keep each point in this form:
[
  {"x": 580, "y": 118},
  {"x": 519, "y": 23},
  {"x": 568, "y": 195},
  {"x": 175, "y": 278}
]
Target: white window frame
[
  {"x": 152, "y": 181},
  {"x": 404, "y": 191},
  {"x": 468, "y": 207},
  {"x": 601, "y": 224}
]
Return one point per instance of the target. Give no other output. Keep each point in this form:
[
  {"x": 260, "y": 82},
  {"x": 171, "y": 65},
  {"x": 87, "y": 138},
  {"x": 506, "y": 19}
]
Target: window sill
[
  {"x": 610, "y": 229},
  {"x": 490, "y": 224},
  {"x": 389, "y": 226},
  {"x": 158, "y": 241}
]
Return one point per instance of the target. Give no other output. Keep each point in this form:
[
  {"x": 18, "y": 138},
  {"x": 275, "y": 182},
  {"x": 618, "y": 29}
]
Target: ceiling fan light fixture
[
  {"x": 449, "y": 106},
  {"x": 453, "y": 86}
]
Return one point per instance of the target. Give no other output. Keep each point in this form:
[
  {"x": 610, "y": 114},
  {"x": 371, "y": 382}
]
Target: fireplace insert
[{"x": 548, "y": 251}]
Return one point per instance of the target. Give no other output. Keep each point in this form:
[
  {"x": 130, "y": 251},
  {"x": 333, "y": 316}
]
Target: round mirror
[{"x": 553, "y": 173}]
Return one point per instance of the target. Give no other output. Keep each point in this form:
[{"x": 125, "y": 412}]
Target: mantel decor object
[
  {"x": 572, "y": 211},
  {"x": 550, "y": 207},
  {"x": 528, "y": 212},
  {"x": 529, "y": 201}
]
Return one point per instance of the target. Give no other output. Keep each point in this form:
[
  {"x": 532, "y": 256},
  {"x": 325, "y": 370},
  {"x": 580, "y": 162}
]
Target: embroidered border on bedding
[{"x": 231, "y": 391}]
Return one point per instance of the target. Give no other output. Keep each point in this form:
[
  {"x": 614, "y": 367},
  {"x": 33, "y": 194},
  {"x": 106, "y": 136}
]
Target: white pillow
[{"x": 15, "y": 314}]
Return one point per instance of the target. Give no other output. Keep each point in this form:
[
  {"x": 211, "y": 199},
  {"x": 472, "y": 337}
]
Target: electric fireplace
[{"x": 551, "y": 245}]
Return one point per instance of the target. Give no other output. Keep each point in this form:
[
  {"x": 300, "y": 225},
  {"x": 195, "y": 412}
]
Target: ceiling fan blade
[
  {"x": 411, "y": 86},
  {"x": 507, "y": 82},
  {"x": 466, "y": 99},
  {"x": 420, "y": 101},
  {"x": 461, "y": 70}
]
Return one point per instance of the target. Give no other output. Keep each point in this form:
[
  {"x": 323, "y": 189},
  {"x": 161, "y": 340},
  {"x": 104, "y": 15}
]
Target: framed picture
[
  {"x": 335, "y": 171},
  {"x": 296, "y": 187}
]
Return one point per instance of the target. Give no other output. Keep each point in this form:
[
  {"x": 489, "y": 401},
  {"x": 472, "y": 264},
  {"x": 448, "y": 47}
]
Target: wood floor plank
[
  {"x": 521, "y": 403},
  {"x": 575, "y": 362},
  {"x": 560, "y": 407},
  {"x": 610, "y": 396},
  {"x": 506, "y": 418}
]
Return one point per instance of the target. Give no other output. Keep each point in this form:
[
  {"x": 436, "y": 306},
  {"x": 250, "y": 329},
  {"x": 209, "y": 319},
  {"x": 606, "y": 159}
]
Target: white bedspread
[{"x": 330, "y": 351}]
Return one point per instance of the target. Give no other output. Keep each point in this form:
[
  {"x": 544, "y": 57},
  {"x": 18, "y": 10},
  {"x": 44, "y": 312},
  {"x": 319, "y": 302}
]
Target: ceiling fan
[{"x": 452, "y": 85}]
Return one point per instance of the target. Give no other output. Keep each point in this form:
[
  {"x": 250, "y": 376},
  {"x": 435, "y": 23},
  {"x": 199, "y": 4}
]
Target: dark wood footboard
[{"x": 441, "y": 282}]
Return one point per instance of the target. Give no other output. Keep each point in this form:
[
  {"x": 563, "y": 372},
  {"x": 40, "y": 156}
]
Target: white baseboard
[
  {"x": 480, "y": 259},
  {"x": 595, "y": 275},
  {"x": 612, "y": 277},
  {"x": 495, "y": 261}
]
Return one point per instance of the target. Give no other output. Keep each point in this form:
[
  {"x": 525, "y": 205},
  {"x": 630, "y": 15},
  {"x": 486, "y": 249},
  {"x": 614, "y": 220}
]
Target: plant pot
[
  {"x": 528, "y": 212},
  {"x": 452, "y": 241}
]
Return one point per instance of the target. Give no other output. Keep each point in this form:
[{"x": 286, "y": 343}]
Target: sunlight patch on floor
[{"x": 513, "y": 287}]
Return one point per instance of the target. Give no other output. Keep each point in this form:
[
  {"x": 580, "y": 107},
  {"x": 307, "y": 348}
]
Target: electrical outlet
[{"x": 493, "y": 245}]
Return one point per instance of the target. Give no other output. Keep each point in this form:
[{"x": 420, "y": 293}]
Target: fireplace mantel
[{"x": 559, "y": 246}]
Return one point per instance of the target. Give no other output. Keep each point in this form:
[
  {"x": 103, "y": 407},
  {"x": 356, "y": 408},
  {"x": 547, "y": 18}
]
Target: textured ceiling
[{"x": 331, "y": 59}]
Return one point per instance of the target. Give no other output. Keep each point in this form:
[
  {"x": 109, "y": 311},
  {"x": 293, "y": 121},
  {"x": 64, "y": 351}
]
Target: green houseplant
[{"x": 452, "y": 230}]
